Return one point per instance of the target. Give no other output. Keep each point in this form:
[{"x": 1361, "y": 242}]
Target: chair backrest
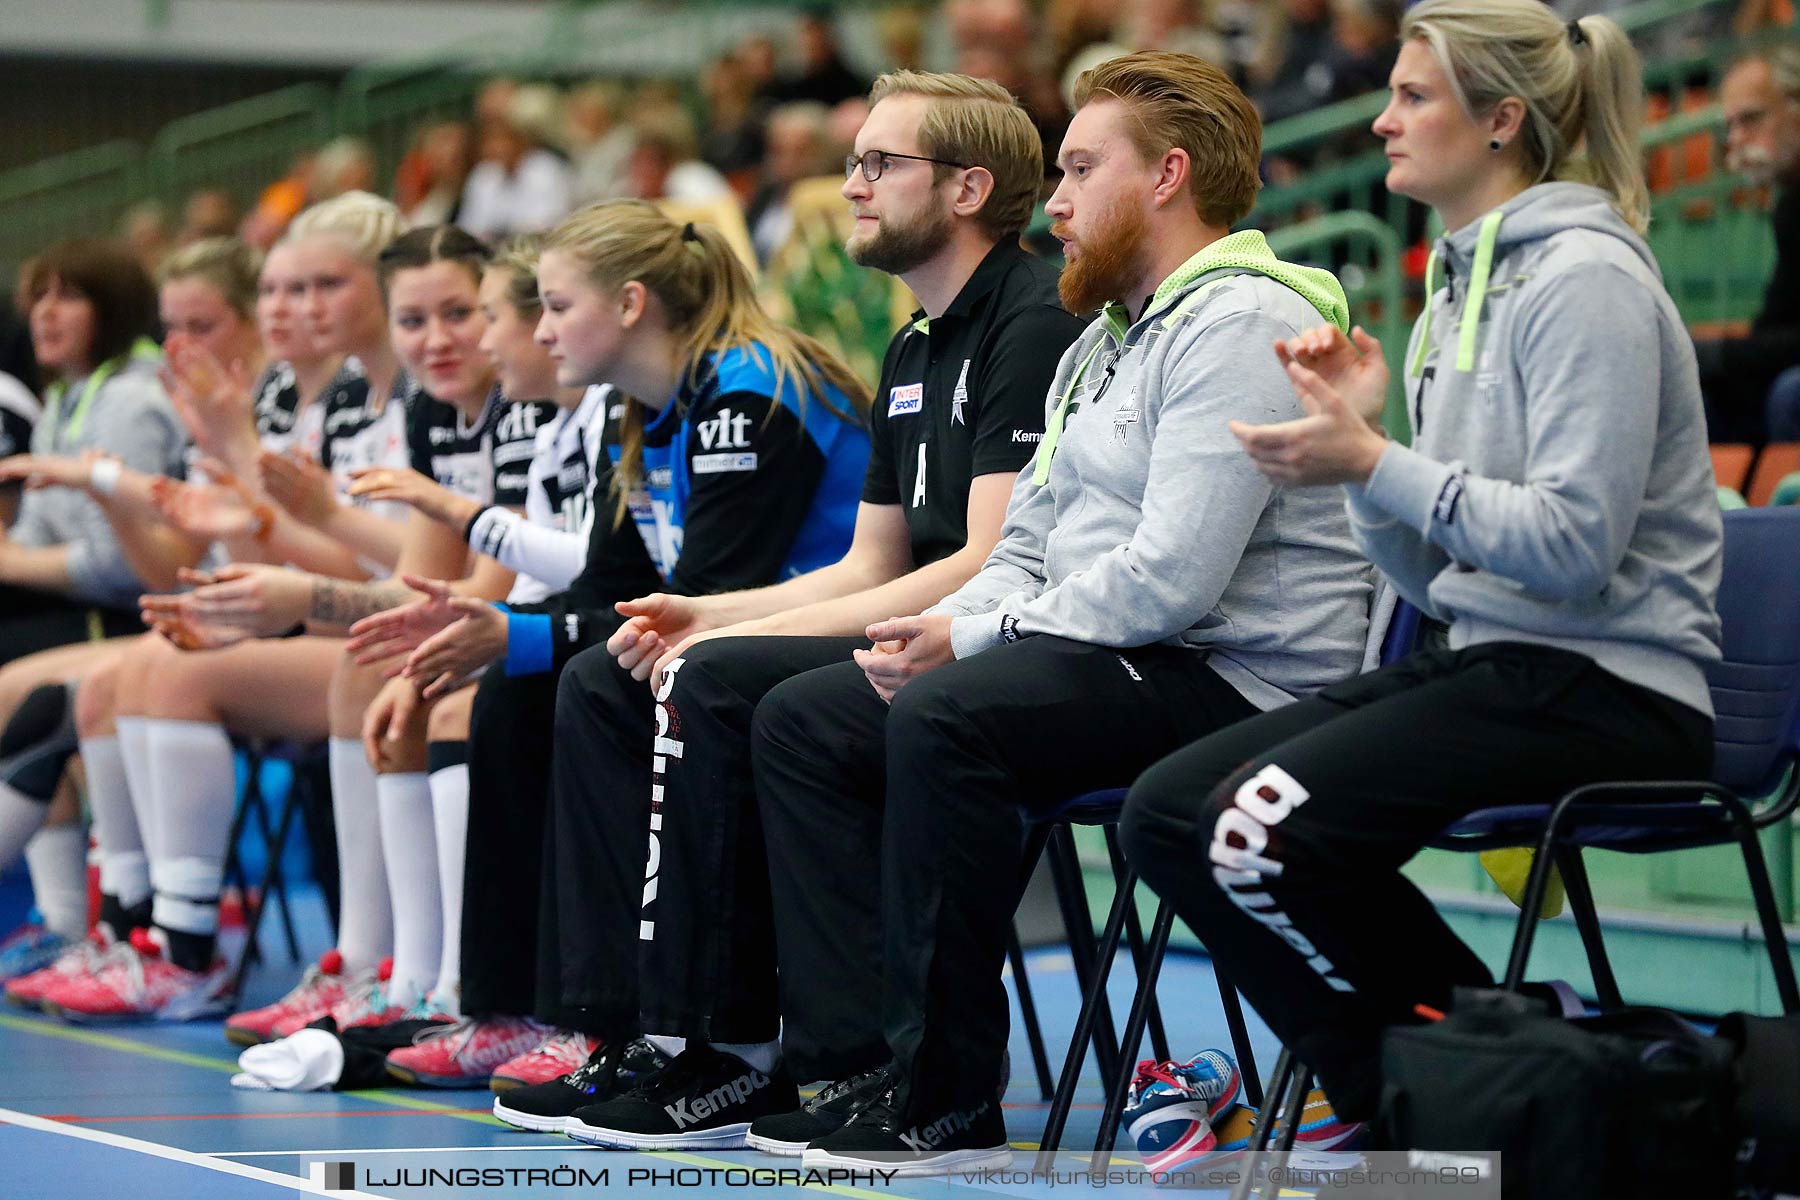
[{"x": 1756, "y": 686}]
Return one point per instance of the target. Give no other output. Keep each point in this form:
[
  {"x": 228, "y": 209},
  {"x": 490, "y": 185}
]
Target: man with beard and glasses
[
  {"x": 656, "y": 848},
  {"x": 1149, "y": 586},
  {"x": 1752, "y": 383}
]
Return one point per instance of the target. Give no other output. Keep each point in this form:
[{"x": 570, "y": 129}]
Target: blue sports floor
[{"x": 148, "y": 1109}]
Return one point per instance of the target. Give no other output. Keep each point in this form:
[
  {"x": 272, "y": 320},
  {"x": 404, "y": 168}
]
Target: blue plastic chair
[{"x": 1756, "y": 753}]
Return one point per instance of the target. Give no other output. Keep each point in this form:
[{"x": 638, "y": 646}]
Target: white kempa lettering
[
  {"x": 692, "y": 1110},
  {"x": 921, "y": 1138},
  {"x": 1262, "y": 802},
  {"x": 918, "y": 496},
  {"x": 663, "y": 749}
]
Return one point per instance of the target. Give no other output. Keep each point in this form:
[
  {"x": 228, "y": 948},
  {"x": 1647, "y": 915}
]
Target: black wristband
[
  {"x": 1009, "y": 628},
  {"x": 469, "y": 529}
]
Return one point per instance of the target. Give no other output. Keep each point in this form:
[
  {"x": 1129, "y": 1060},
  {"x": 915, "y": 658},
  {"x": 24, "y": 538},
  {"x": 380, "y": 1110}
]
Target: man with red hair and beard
[{"x": 1149, "y": 586}]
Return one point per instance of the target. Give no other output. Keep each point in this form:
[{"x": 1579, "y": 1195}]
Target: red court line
[{"x": 73, "y": 1119}]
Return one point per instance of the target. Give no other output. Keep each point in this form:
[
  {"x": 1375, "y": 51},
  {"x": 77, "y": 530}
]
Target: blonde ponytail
[
  {"x": 711, "y": 305},
  {"x": 1581, "y": 83}
]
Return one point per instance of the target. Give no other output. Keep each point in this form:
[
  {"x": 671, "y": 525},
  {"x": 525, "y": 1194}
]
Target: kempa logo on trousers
[
  {"x": 921, "y": 1138},
  {"x": 333, "y": 1176},
  {"x": 1262, "y": 802},
  {"x": 664, "y": 749},
  {"x": 687, "y": 1112}
]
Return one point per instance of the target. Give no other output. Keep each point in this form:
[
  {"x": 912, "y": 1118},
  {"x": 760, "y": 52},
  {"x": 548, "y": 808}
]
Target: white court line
[
  {"x": 572, "y": 1147},
  {"x": 294, "y": 1182}
]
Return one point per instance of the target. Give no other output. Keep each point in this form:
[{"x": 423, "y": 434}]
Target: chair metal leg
[
  {"x": 1134, "y": 933},
  {"x": 1078, "y": 921},
  {"x": 1142, "y": 1004},
  {"x": 1034, "y": 1032},
  {"x": 274, "y": 885},
  {"x": 1290, "y": 1074},
  {"x": 1781, "y": 962},
  {"x": 1587, "y": 921},
  {"x": 1240, "y": 1037},
  {"x": 1094, "y": 1015},
  {"x": 1535, "y": 886}
]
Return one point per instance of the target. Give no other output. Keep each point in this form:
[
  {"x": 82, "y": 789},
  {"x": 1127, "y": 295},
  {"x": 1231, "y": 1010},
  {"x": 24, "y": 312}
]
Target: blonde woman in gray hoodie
[{"x": 1555, "y": 510}]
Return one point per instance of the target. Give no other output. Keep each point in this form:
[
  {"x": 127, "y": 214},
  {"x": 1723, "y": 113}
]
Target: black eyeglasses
[{"x": 872, "y": 163}]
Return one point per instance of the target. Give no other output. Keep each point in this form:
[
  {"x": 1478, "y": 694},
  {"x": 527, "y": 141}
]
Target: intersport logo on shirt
[{"x": 688, "y": 1111}]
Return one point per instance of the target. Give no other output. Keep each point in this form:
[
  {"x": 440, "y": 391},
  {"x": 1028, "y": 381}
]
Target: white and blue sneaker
[{"x": 1171, "y": 1107}]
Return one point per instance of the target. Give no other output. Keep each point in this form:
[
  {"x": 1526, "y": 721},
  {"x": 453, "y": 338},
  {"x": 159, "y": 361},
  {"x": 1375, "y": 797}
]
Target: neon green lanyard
[
  {"x": 142, "y": 348},
  {"x": 1470, "y": 325}
]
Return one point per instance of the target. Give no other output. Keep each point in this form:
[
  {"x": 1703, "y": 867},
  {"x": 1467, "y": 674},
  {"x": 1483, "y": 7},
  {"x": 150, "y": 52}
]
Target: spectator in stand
[
  {"x": 1302, "y": 44},
  {"x": 1361, "y": 43},
  {"x": 345, "y": 164},
  {"x": 823, "y": 76},
  {"x": 902, "y": 32},
  {"x": 1752, "y": 383},
  {"x": 998, "y": 40},
  {"x": 664, "y": 163},
  {"x": 428, "y": 184},
  {"x": 733, "y": 143},
  {"x": 144, "y": 231},
  {"x": 521, "y": 184},
  {"x": 599, "y": 141},
  {"x": 798, "y": 148},
  {"x": 278, "y": 204},
  {"x": 756, "y": 54},
  {"x": 208, "y": 213}
]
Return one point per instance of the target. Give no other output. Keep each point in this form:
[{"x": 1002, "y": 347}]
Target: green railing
[
  {"x": 1366, "y": 252},
  {"x": 241, "y": 147},
  {"x": 82, "y": 192}
]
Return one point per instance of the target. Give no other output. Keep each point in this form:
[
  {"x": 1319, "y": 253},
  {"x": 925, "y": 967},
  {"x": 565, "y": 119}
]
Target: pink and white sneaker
[
  {"x": 364, "y": 1002},
  {"x": 143, "y": 985},
  {"x": 319, "y": 989},
  {"x": 464, "y": 1053},
  {"x": 83, "y": 958},
  {"x": 556, "y": 1056}
]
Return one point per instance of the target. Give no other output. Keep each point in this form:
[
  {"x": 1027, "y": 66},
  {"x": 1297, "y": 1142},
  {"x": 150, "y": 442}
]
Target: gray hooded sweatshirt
[
  {"x": 128, "y": 415},
  {"x": 1558, "y": 489},
  {"x": 1142, "y": 520}
]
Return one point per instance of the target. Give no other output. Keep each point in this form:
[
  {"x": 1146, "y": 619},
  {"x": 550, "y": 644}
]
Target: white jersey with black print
[
  {"x": 487, "y": 459},
  {"x": 548, "y": 545},
  {"x": 359, "y": 432}
]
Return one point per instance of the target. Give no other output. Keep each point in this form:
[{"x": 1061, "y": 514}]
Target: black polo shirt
[{"x": 963, "y": 394}]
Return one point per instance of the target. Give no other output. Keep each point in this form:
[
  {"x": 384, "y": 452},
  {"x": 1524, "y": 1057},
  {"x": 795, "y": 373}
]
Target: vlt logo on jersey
[
  {"x": 727, "y": 431},
  {"x": 908, "y": 398}
]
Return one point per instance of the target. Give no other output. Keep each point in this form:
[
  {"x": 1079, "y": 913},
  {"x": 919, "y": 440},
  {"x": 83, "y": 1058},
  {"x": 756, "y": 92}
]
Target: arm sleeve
[
  {"x": 1201, "y": 502},
  {"x": 554, "y": 556},
  {"x": 1588, "y": 364},
  {"x": 617, "y": 568},
  {"x": 1016, "y": 375},
  {"x": 745, "y": 508}
]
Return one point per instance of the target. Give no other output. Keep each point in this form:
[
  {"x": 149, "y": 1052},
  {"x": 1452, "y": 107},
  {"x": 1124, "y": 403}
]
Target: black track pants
[
  {"x": 894, "y": 837},
  {"x": 1280, "y": 840}
]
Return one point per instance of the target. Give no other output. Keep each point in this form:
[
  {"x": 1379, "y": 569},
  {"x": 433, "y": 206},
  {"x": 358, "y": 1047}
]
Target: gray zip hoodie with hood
[
  {"x": 1558, "y": 489},
  {"x": 1143, "y": 521}
]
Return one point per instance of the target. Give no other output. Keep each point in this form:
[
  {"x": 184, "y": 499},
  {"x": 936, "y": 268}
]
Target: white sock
[
  {"x": 670, "y": 1046},
  {"x": 409, "y": 851},
  {"x": 194, "y": 779},
  {"x": 450, "y": 817},
  {"x": 761, "y": 1055},
  {"x": 57, "y": 859},
  {"x": 20, "y": 818},
  {"x": 365, "y": 922},
  {"x": 134, "y": 750},
  {"x": 124, "y": 867}
]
